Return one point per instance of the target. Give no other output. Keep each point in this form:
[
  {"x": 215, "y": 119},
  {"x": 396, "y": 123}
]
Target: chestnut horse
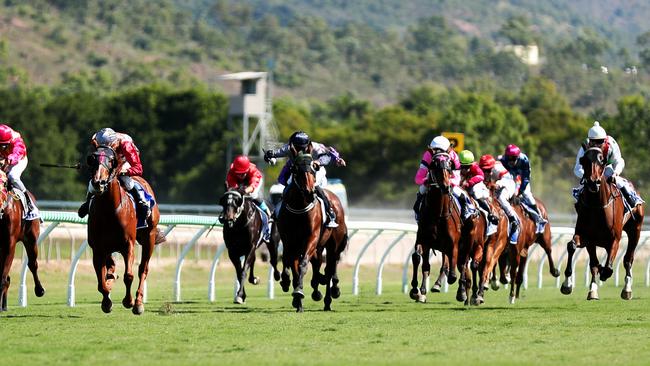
[
  {"x": 601, "y": 221},
  {"x": 439, "y": 226},
  {"x": 242, "y": 232},
  {"x": 304, "y": 235},
  {"x": 112, "y": 228},
  {"x": 518, "y": 253},
  {"x": 13, "y": 229}
]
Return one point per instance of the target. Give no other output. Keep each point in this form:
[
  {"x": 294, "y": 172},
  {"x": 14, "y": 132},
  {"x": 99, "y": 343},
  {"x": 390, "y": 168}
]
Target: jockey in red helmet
[
  {"x": 518, "y": 164},
  {"x": 505, "y": 188},
  {"x": 14, "y": 152},
  {"x": 128, "y": 157},
  {"x": 244, "y": 173}
]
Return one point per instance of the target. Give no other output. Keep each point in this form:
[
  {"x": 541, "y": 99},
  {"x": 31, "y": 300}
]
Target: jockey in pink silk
[
  {"x": 441, "y": 144},
  {"x": 14, "y": 152},
  {"x": 128, "y": 157}
]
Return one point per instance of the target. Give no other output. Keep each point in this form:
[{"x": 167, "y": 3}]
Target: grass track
[{"x": 544, "y": 328}]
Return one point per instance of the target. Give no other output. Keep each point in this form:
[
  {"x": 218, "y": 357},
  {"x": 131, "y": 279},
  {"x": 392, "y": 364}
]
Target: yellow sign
[{"x": 457, "y": 140}]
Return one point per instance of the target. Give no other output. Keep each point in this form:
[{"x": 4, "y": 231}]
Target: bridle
[
  {"x": 234, "y": 199},
  {"x": 104, "y": 157}
]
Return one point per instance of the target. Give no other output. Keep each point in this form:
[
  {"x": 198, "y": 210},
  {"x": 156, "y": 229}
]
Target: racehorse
[
  {"x": 13, "y": 229},
  {"x": 518, "y": 253},
  {"x": 242, "y": 233},
  {"x": 601, "y": 221},
  {"x": 439, "y": 226},
  {"x": 304, "y": 235},
  {"x": 112, "y": 228}
]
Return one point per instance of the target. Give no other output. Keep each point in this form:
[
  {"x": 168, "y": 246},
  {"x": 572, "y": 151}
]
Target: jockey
[
  {"x": 597, "y": 137},
  {"x": 128, "y": 157},
  {"x": 472, "y": 181},
  {"x": 244, "y": 173},
  {"x": 323, "y": 155},
  {"x": 505, "y": 188},
  {"x": 518, "y": 165},
  {"x": 14, "y": 152},
  {"x": 437, "y": 145}
]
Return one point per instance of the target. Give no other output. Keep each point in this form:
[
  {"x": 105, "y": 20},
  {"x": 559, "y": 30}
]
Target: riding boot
[
  {"x": 267, "y": 227},
  {"x": 514, "y": 229},
  {"x": 416, "y": 206},
  {"x": 331, "y": 215},
  {"x": 491, "y": 217},
  {"x": 141, "y": 206},
  {"x": 467, "y": 210},
  {"x": 540, "y": 221},
  {"x": 83, "y": 209},
  {"x": 631, "y": 196}
]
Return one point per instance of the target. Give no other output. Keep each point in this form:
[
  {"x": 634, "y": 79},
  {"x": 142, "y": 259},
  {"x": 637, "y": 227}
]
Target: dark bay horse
[
  {"x": 518, "y": 254},
  {"x": 305, "y": 236},
  {"x": 601, "y": 221},
  {"x": 112, "y": 228},
  {"x": 12, "y": 230},
  {"x": 439, "y": 226},
  {"x": 242, "y": 233}
]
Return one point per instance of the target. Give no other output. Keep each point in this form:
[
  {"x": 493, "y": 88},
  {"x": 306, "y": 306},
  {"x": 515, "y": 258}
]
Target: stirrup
[{"x": 83, "y": 209}]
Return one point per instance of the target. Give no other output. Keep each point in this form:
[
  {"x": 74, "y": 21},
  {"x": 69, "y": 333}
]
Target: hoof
[
  {"x": 39, "y": 291},
  {"x": 605, "y": 273},
  {"x": 322, "y": 280},
  {"x": 511, "y": 300},
  {"x": 486, "y": 287},
  {"x": 276, "y": 275},
  {"x": 451, "y": 279},
  {"x": 239, "y": 300},
  {"x": 299, "y": 309},
  {"x": 298, "y": 294},
  {"x": 297, "y": 303},
  {"x": 555, "y": 273},
  {"x": 474, "y": 301},
  {"x": 422, "y": 298},
  {"x": 461, "y": 296},
  {"x": 316, "y": 296},
  {"x": 107, "y": 306},
  {"x": 335, "y": 292},
  {"x": 255, "y": 280},
  {"x": 494, "y": 285},
  {"x": 626, "y": 295},
  {"x": 414, "y": 294},
  {"x": 285, "y": 286},
  {"x": 128, "y": 303},
  {"x": 566, "y": 290},
  {"x": 327, "y": 308},
  {"x": 592, "y": 295},
  {"x": 436, "y": 287},
  {"x": 138, "y": 309}
]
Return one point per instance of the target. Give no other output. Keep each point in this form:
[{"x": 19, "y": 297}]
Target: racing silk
[
  {"x": 252, "y": 178},
  {"x": 612, "y": 153},
  {"x": 521, "y": 169},
  {"x": 472, "y": 176},
  {"x": 498, "y": 172},
  {"x": 321, "y": 153},
  {"x": 423, "y": 171},
  {"x": 127, "y": 152},
  {"x": 17, "y": 149}
]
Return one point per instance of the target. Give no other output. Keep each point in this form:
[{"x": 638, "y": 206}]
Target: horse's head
[
  {"x": 232, "y": 202},
  {"x": 303, "y": 171},
  {"x": 103, "y": 164},
  {"x": 440, "y": 171},
  {"x": 593, "y": 164}
]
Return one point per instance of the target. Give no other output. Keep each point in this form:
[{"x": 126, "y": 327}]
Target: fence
[{"x": 382, "y": 238}]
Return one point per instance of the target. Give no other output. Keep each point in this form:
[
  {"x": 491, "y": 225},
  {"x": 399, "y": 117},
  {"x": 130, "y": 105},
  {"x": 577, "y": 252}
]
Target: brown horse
[
  {"x": 439, "y": 226},
  {"x": 13, "y": 229},
  {"x": 518, "y": 254},
  {"x": 304, "y": 235},
  {"x": 242, "y": 232},
  {"x": 601, "y": 221},
  {"x": 112, "y": 228}
]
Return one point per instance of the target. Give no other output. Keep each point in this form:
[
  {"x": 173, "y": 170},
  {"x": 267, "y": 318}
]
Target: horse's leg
[
  {"x": 99, "y": 263},
  {"x": 235, "y": 258},
  {"x": 29, "y": 241},
  {"x": 249, "y": 265},
  {"x": 7, "y": 257},
  {"x": 567, "y": 284},
  {"x": 415, "y": 258},
  {"x": 594, "y": 265},
  {"x": 330, "y": 270},
  {"x": 129, "y": 258},
  {"x": 298, "y": 270},
  {"x": 628, "y": 261},
  {"x": 514, "y": 265},
  {"x": 606, "y": 271},
  {"x": 521, "y": 268},
  {"x": 461, "y": 294},
  {"x": 316, "y": 262},
  {"x": 272, "y": 246},
  {"x": 148, "y": 245},
  {"x": 442, "y": 275},
  {"x": 546, "y": 243},
  {"x": 426, "y": 270},
  {"x": 504, "y": 265},
  {"x": 453, "y": 262},
  {"x": 110, "y": 272}
]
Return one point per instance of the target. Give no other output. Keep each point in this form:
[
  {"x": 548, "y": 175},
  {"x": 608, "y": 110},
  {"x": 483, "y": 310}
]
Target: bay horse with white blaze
[
  {"x": 601, "y": 221},
  {"x": 14, "y": 228},
  {"x": 112, "y": 228},
  {"x": 242, "y": 233},
  {"x": 305, "y": 236},
  {"x": 439, "y": 226}
]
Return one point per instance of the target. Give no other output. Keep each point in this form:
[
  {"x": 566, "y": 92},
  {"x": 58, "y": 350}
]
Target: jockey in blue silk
[
  {"x": 518, "y": 165},
  {"x": 323, "y": 155},
  {"x": 597, "y": 137}
]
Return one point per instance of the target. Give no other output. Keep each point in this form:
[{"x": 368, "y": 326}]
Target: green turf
[{"x": 544, "y": 327}]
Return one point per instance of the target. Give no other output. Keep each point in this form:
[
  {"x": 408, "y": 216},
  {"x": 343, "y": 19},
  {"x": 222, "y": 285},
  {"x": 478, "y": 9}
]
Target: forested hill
[{"x": 322, "y": 48}]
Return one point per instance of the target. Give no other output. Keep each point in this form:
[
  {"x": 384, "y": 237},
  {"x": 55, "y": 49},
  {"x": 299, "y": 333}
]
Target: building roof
[{"x": 245, "y": 75}]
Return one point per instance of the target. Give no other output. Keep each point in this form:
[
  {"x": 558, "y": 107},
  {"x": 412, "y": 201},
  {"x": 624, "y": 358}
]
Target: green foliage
[{"x": 517, "y": 31}]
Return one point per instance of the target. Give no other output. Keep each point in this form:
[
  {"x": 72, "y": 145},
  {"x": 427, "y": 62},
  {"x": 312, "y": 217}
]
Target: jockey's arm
[
  {"x": 577, "y": 169},
  {"x": 423, "y": 169},
  {"x": 133, "y": 158},
  {"x": 279, "y": 153},
  {"x": 18, "y": 151},
  {"x": 615, "y": 159}
]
